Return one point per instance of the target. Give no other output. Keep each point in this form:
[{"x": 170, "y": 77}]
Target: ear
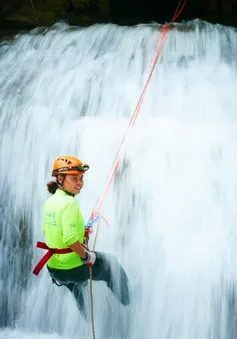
[{"x": 60, "y": 178}]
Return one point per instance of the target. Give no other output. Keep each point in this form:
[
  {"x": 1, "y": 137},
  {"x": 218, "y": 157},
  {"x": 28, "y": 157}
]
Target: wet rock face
[{"x": 32, "y": 13}]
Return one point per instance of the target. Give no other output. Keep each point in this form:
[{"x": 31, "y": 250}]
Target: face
[{"x": 72, "y": 183}]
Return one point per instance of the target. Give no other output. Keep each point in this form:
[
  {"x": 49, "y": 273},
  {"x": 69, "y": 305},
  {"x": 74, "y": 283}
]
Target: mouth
[{"x": 78, "y": 187}]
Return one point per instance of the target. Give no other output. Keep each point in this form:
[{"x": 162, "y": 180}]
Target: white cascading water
[{"x": 172, "y": 208}]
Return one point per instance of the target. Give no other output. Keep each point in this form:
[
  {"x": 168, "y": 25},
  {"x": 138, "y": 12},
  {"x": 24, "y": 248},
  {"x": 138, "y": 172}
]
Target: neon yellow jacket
[{"x": 63, "y": 226}]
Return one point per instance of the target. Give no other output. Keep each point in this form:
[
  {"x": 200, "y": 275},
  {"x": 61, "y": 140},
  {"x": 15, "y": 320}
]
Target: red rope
[{"x": 115, "y": 164}]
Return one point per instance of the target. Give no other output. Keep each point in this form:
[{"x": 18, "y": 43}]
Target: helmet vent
[{"x": 67, "y": 161}]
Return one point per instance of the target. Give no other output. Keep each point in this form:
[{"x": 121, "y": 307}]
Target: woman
[{"x": 64, "y": 228}]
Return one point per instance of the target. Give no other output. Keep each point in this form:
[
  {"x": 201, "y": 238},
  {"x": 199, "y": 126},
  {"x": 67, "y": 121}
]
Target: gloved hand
[{"x": 89, "y": 259}]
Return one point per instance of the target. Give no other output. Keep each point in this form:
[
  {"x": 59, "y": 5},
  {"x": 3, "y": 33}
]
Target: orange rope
[
  {"x": 115, "y": 164},
  {"x": 137, "y": 110}
]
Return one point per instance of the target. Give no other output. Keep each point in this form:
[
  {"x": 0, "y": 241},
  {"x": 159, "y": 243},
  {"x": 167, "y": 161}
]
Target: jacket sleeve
[{"x": 70, "y": 232}]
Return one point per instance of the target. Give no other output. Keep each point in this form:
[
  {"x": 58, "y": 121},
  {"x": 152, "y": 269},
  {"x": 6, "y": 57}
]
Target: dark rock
[{"x": 22, "y": 14}]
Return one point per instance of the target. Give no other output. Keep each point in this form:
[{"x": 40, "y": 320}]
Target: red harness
[{"x": 48, "y": 255}]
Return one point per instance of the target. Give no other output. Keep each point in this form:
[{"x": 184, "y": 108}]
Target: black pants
[{"x": 106, "y": 268}]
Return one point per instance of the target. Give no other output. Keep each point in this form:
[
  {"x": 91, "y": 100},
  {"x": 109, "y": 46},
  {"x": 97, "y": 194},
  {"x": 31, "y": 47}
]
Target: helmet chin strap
[{"x": 60, "y": 185}]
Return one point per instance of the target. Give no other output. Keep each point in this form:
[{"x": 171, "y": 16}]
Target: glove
[{"x": 89, "y": 259}]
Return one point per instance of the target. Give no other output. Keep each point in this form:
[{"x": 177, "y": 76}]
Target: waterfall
[{"x": 172, "y": 206}]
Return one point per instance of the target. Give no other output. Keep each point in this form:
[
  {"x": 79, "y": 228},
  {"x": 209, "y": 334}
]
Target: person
[{"x": 64, "y": 229}]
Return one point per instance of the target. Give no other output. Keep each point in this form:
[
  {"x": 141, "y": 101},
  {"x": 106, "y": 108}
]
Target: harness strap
[{"x": 48, "y": 255}]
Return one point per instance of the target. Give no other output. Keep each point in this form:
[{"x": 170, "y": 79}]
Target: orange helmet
[{"x": 68, "y": 165}]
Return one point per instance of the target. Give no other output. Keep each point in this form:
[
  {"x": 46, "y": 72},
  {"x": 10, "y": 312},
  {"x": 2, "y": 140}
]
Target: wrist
[{"x": 86, "y": 256}]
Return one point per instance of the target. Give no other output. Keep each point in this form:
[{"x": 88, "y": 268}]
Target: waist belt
[{"x": 48, "y": 255}]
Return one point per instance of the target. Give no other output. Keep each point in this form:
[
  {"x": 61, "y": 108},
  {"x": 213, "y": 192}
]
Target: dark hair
[{"x": 52, "y": 186}]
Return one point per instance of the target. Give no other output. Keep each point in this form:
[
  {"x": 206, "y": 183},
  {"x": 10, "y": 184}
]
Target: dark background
[
  {"x": 215, "y": 11},
  {"x": 145, "y": 11},
  {"x": 18, "y": 15}
]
